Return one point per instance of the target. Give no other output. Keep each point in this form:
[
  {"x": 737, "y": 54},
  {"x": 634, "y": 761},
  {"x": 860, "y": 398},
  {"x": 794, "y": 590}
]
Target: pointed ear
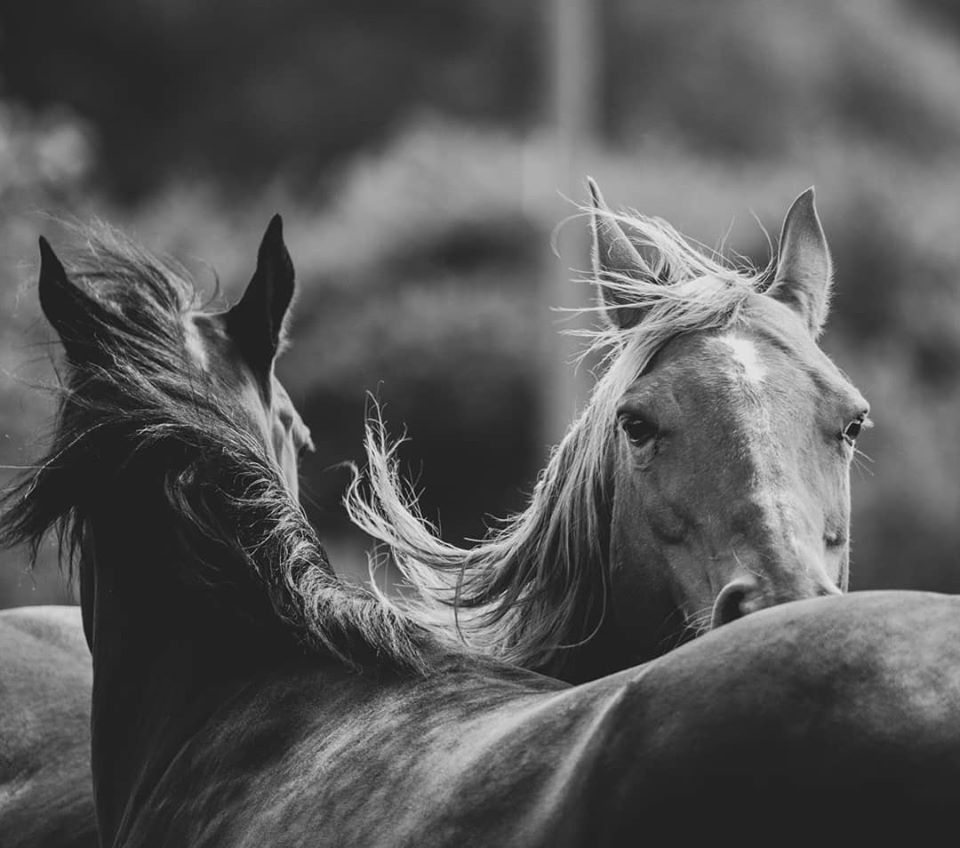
[
  {"x": 71, "y": 312},
  {"x": 256, "y": 323},
  {"x": 615, "y": 257},
  {"x": 804, "y": 267}
]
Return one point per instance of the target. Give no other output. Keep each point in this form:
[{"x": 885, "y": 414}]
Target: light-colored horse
[{"x": 708, "y": 476}]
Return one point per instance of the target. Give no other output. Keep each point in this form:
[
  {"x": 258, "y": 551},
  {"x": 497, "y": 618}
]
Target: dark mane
[{"x": 136, "y": 399}]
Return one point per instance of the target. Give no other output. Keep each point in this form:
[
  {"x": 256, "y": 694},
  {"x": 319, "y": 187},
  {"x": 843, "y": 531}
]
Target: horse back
[
  {"x": 326, "y": 758},
  {"x": 46, "y": 795},
  {"x": 835, "y": 715}
]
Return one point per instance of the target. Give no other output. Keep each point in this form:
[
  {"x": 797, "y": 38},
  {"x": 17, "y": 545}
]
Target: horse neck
[
  {"x": 608, "y": 651},
  {"x": 600, "y": 646},
  {"x": 165, "y": 655}
]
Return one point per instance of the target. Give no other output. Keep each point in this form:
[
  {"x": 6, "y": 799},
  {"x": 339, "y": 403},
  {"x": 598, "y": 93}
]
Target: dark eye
[
  {"x": 639, "y": 431},
  {"x": 851, "y": 432}
]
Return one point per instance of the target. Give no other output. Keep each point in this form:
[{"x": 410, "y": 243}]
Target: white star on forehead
[{"x": 744, "y": 354}]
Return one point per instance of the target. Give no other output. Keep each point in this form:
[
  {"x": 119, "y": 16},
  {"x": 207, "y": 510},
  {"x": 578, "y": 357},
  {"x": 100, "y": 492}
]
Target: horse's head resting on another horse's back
[
  {"x": 735, "y": 431},
  {"x": 707, "y": 477}
]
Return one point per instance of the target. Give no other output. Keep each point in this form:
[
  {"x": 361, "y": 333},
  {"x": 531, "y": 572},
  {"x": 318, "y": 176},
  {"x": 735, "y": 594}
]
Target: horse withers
[{"x": 708, "y": 476}]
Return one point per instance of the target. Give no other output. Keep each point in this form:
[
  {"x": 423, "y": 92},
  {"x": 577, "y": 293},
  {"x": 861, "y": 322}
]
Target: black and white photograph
[{"x": 479, "y": 423}]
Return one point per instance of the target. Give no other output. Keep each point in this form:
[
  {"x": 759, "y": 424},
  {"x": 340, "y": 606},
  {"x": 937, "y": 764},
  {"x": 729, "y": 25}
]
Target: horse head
[
  {"x": 733, "y": 432},
  {"x": 707, "y": 476},
  {"x": 148, "y": 370},
  {"x": 137, "y": 311},
  {"x": 239, "y": 349}
]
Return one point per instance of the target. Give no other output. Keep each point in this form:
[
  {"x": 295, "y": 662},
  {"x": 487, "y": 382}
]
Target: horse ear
[
  {"x": 614, "y": 258},
  {"x": 71, "y": 312},
  {"x": 804, "y": 267},
  {"x": 256, "y": 322}
]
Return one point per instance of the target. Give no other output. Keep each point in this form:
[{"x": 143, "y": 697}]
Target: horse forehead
[
  {"x": 754, "y": 364},
  {"x": 756, "y": 373},
  {"x": 739, "y": 372},
  {"x": 717, "y": 362},
  {"x": 742, "y": 357}
]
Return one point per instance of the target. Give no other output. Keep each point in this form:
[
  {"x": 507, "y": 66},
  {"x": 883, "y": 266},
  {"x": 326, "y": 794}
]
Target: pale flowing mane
[{"x": 537, "y": 585}]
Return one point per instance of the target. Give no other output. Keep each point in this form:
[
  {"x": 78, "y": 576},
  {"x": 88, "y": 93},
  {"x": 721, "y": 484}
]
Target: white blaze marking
[{"x": 744, "y": 353}]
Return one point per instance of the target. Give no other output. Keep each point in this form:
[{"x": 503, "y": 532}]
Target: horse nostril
[{"x": 731, "y": 602}]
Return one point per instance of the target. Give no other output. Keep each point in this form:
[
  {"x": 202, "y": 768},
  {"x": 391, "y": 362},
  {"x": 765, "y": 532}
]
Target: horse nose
[
  {"x": 735, "y": 600},
  {"x": 744, "y": 595}
]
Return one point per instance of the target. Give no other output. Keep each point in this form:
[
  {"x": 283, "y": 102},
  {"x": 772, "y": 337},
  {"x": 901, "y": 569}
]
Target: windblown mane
[
  {"x": 139, "y": 395},
  {"x": 537, "y": 584}
]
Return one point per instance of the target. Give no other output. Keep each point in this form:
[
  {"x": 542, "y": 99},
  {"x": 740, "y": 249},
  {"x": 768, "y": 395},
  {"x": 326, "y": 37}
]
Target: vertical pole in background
[{"x": 573, "y": 27}]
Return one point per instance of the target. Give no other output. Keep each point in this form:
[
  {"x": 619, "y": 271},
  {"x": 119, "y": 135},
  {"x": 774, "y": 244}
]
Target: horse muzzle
[{"x": 744, "y": 595}]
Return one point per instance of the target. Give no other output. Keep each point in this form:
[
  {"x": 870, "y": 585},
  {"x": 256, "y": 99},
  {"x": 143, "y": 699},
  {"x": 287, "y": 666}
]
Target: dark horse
[
  {"x": 243, "y": 695},
  {"x": 45, "y": 674}
]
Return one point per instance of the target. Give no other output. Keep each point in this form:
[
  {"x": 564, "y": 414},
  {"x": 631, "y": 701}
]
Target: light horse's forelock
[
  {"x": 531, "y": 587},
  {"x": 145, "y": 393}
]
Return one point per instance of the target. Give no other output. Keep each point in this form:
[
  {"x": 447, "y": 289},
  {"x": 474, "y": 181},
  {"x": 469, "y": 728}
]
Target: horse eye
[{"x": 639, "y": 431}]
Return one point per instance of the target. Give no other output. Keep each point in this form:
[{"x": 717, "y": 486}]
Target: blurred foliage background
[{"x": 413, "y": 152}]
